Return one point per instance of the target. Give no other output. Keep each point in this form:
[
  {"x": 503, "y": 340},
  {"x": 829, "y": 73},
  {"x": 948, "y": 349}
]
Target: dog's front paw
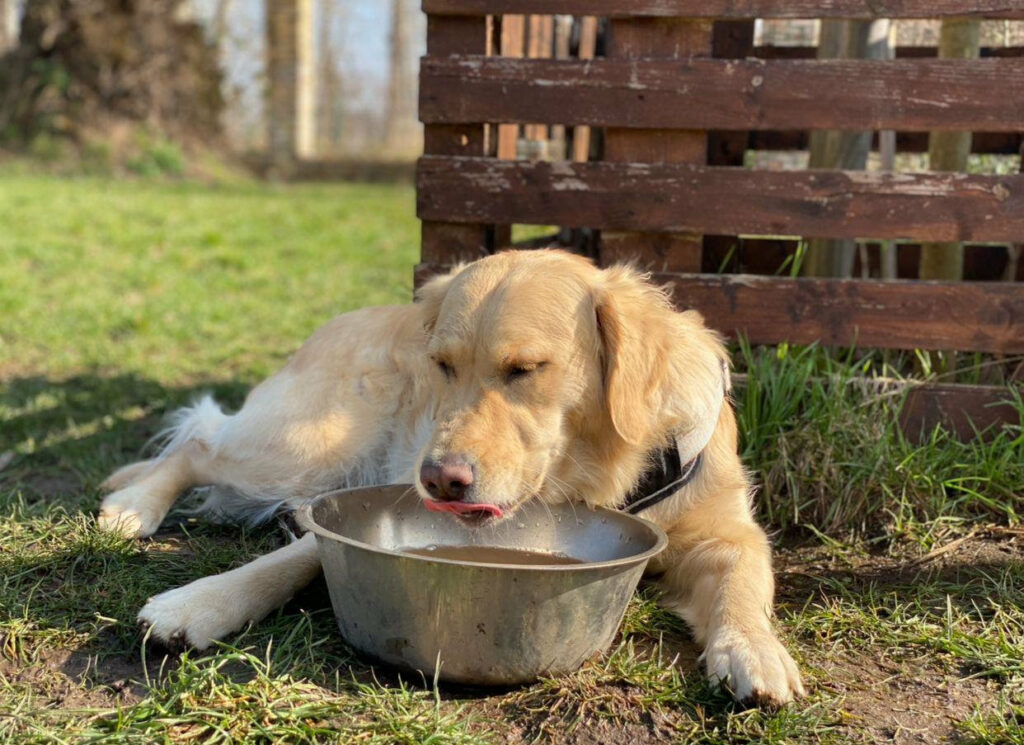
[
  {"x": 122, "y": 512},
  {"x": 755, "y": 668},
  {"x": 196, "y": 614}
]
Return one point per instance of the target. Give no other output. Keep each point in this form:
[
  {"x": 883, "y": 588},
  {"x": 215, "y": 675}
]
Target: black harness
[{"x": 664, "y": 477}]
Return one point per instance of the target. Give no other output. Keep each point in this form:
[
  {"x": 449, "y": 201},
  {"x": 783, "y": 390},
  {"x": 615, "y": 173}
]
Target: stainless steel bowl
[{"x": 476, "y": 623}]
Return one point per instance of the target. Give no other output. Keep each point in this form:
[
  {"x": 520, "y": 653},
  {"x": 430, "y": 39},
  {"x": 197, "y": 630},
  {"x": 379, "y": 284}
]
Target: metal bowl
[{"x": 476, "y": 623}]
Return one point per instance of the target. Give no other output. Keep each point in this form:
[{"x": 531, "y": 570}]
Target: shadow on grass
[{"x": 67, "y": 434}]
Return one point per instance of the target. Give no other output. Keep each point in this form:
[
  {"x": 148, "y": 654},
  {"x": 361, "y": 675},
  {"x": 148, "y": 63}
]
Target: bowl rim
[{"x": 304, "y": 517}]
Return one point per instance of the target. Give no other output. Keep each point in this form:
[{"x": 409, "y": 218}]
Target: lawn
[{"x": 900, "y": 565}]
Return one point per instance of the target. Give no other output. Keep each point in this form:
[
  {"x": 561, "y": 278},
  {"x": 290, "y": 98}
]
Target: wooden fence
[{"x": 676, "y": 95}]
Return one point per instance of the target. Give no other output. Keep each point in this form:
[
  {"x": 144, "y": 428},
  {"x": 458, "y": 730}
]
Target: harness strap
[{"x": 665, "y": 477}]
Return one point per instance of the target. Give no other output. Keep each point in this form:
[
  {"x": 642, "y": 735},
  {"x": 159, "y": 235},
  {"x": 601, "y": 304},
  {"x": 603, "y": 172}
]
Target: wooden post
[
  {"x": 538, "y": 46},
  {"x": 444, "y": 243},
  {"x": 587, "y": 49},
  {"x": 513, "y": 35},
  {"x": 657, "y": 38},
  {"x": 948, "y": 151},
  {"x": 291, "y": 111},
  {"x": 562, "y": 32}
]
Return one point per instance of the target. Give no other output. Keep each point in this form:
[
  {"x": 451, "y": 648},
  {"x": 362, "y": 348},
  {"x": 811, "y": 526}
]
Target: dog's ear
[
  {"x": 661, "y": 368},
  {"x": 431, "y": 294}
]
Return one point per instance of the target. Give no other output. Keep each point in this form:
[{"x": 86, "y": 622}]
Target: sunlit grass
[{"x": 120, "y": 301}]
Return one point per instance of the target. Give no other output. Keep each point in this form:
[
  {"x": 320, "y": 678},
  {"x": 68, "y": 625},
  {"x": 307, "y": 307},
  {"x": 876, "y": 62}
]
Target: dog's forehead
[{"x": 518, "y": 306}]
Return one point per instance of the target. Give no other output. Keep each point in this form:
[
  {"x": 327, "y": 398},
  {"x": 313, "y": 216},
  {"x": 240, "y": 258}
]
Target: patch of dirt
[
  {"x": 53, "y": 484},
  {"x": 913, "y": 700},
  {"x": 68, "y": 679},
  {"x": 902, "y": 702}
]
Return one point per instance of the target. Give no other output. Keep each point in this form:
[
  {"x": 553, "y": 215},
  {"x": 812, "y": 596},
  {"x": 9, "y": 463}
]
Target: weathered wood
[
  {"x": 729, "y": 201},
  {"x": 442, "y": 240},
  {"x": 920, "y": 94},
  {"x": 964, "y": 410},
  {"x": 730, "y": 40},
  {"x": 513, "y": 37},
  {"x": 662, "y": 39},
  {"x": 541, "y": 31},
  {"x": 865, "y": 9},
  {"x": 587, "y": 50},
  {"x": 971, "y": 316}
]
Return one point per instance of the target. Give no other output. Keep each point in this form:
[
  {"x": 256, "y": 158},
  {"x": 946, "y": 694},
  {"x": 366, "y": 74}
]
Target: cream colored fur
[{"x": 554, "y": 378}]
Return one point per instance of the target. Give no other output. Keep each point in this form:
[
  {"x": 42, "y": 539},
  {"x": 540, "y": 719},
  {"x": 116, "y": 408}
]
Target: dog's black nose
[{"x": 450, "y": 479}]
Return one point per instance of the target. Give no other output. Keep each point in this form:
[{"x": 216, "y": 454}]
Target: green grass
[
  {"x": 121, "y": 300},
  {"x": 822, "y": 431}
]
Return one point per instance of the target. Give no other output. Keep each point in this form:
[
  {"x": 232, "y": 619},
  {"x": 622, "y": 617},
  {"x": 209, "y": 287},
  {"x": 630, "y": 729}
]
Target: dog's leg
[
  {"x": 212, "y": 607},
  {"x": 138, "y": 508},
  {"x": 146, "y": 491},
  {"x": 127, "y": 475},
  {"x": 719, "y": 579}
]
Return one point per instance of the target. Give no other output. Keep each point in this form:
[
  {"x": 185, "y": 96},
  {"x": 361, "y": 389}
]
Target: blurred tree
[
  {"x": 8, "y": 21},
  {"x": 84, "y": 64},
  {"x": 399, "y": 81}
]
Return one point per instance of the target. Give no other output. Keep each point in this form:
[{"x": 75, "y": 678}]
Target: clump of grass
[
  {"x": 620, "y": 685},
  {"x": 821, "y": 432},
  {"x": 233, "y": 695},
  {"x": 1003, "y": 726}
]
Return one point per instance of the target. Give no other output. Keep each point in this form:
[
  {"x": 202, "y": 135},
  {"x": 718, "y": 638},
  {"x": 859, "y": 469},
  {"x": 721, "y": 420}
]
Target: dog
[{"x": 523, "y": 375}]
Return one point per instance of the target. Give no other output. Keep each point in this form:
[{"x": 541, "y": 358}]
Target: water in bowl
[{"x": 491, "y": 555}]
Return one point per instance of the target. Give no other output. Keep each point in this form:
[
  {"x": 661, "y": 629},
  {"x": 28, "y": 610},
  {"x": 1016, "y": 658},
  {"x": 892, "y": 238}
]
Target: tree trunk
[
  {"x": 8, "y": 24},
  {"x": 398, "y": 80},
  {"x": 290, "y": 77},
  {"x": 948, "y": 151},
  {"x": 220, "y": 24},
  {"x": 842, "y": 150}
]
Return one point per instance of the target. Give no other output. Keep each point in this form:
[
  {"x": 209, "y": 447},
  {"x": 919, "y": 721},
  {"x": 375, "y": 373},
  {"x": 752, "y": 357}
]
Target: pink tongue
[{"x": 461, "y": 508}]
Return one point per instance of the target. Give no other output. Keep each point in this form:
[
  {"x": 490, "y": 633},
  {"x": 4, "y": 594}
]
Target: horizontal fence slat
[
  {"x": 729, "y": 9},
  {"x": 964, "y": 410},
  {"x": 721, "y": 94},
  {"x": 968, "y": 316},
  {"x": 725, "y": 201}
]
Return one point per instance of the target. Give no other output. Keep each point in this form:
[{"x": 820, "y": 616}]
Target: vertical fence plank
[
  {"x": 513, "y": 36},
  {"x": 441, "y": 242},
  {"x": 656, "y": 38},
  {"x": 538, "y": 46},
  {"x": 587, "y": 50}
]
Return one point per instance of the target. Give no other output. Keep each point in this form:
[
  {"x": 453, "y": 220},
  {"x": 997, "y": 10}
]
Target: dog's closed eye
[
  {"x": 447, "y": 369},
  {"x": 520, "y": 370}
]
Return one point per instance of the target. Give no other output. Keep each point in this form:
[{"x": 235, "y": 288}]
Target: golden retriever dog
[{"x": 524, "y": 375}]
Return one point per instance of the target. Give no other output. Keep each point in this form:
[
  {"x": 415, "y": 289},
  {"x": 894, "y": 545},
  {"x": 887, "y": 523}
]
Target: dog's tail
[
  {"x": 238, "y": 500},
  {"x": 200, "y": 421}
]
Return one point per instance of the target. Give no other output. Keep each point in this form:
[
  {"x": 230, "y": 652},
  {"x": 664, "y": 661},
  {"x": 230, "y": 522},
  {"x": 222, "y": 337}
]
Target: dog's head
[{"x": 554, "y": 379}]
